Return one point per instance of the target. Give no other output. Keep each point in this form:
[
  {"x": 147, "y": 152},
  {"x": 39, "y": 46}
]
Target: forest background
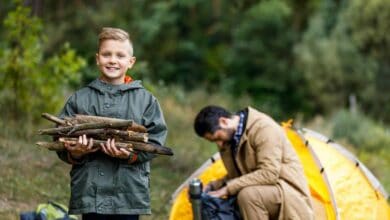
[{"x": 323, "y": 63}]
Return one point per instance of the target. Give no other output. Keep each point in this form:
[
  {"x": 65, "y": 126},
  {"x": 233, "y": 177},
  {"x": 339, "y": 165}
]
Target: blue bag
[{"x": 214, "y": 208}]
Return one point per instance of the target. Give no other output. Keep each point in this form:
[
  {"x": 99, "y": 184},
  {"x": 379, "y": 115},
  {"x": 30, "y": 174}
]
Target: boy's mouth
[{"x": 111, "y": 68}]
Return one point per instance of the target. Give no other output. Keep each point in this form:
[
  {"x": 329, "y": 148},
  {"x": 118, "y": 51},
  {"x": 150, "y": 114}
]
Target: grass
[{"x": 30, "y": 175}]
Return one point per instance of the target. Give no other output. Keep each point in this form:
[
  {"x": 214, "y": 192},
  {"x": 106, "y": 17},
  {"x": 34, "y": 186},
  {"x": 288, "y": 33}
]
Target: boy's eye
[{"x": 106, "y": 54}]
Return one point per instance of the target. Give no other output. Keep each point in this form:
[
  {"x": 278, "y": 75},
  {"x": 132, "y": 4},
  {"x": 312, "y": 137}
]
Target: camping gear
[
  {"x": 214, "y": 208},
  {"x": 195, "y": 196},
  {"x": 340, "y": 185},
  {"x": 48, "y": 211}
]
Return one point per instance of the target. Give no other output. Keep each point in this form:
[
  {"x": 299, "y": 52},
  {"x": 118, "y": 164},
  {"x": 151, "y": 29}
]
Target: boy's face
[{"x": 113, "y": 60}]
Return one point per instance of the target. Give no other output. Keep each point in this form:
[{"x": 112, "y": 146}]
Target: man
[{"x": 263, "y": 169}]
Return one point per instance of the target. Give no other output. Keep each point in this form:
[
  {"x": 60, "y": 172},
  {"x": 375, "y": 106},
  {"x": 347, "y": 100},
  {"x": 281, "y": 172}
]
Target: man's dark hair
[{"x": 207, "y": 120}]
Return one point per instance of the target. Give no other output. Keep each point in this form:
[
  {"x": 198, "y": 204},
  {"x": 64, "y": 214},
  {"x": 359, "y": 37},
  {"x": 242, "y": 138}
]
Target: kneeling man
[{"x": 263, "y": 169}]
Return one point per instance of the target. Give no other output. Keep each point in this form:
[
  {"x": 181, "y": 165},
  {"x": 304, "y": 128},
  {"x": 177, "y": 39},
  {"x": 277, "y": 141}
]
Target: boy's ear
[
  {"x": 132, "y": 60},
  {"x": 96, "y": 58}
]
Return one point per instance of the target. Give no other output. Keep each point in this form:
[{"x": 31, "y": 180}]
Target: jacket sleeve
[
  {"x": 153, "y": 120},
  {"x": 267, "y": 142},
  {"x": 69, "y": 110},
  {"x": 217, "y": 184}
]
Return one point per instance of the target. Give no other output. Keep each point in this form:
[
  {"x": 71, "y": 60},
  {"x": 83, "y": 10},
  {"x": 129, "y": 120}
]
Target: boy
[{"x": 108, "y": 182}]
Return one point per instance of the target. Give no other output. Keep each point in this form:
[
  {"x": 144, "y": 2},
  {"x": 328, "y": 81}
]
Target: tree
[
  {"x": 347, "y": 54},
  {"x": 31, "y": 83},
  {"x": 369, "y": 27},
  {"x": 260, "y": 62}
]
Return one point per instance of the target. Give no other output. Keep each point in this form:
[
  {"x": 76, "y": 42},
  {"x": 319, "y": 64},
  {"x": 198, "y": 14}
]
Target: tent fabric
[
  {"x": 322, "y": 195},
  {"x": 211, "y": 170},
  {"x": 340, "y": 185},
  {"x": 356, "y": 190}
]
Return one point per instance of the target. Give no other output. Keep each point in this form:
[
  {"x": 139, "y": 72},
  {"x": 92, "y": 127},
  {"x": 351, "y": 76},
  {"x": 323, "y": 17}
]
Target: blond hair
[{"x": 109, "y": 33}]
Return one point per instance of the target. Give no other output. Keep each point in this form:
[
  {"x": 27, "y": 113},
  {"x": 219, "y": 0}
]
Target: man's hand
[
  {"x": 110, "y": 149},
  {"x": 209, "y": 187},
  {"x": 79, "y": 148},
  {"x": 222, "y": 192}
]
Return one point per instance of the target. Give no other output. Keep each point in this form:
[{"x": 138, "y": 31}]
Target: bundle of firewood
[{"x": 127, "y": 133}]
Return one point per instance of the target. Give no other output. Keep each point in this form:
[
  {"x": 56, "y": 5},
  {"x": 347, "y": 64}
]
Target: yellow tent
[{"x": 340, "y": 185}]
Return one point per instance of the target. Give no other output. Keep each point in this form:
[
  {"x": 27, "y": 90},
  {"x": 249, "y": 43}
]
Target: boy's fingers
[
  {"x": 115, "y": 152},
  {"x": 104, "y": 148},
  {"x": 85, "y": 140},
  {"x": 107, "y": 146},
  {"x": 126, "y": 152},
  {"x": 90, "y": 143}
]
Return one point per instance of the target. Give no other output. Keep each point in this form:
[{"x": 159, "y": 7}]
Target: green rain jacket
[{"x": 107, "y": 185}]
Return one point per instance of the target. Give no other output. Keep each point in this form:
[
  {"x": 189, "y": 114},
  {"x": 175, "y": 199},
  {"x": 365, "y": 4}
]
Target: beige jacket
[{"x": 266, "y": 157}]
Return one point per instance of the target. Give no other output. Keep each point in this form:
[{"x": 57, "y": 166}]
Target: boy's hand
[
  {"x": 79, "y": 148},
  {"x": 110, "y": 149}
]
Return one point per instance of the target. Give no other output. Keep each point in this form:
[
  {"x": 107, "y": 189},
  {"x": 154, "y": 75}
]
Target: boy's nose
[{"x": 112, "y": 59}]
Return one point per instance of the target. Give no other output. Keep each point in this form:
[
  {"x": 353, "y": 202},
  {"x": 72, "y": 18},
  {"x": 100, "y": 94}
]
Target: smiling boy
[{"x": 110, "y": 182}]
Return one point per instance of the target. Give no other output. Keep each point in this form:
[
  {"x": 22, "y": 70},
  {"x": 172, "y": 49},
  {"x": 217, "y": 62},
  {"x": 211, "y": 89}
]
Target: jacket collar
[
  {"x": 101, "y": 86},
  {"x": 249, "y": 123}
]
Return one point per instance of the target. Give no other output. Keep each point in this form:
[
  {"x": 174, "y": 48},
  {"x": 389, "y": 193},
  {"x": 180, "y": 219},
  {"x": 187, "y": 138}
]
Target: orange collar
[{"x": 128, "y": 79}]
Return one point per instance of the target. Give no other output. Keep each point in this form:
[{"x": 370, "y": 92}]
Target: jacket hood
[{"x": 101, "y": 86}]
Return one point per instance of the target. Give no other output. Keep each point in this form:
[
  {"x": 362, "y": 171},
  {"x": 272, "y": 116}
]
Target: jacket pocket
[
  {"x": 82, "y": 188},
  {"x": 133, "y": 179}
]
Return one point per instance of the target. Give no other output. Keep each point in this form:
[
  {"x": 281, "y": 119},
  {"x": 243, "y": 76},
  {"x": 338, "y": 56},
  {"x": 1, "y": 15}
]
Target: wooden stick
[
  {"x": 81, "y": 119},
  {"x": 70, "y": 129},
  {"x": 54, "y": 119},
  {"x": 147, "y": 147},
  {"x": 109, "y": 133},
  {"x": 137, "y": 128}
]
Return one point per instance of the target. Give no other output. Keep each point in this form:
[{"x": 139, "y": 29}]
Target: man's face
[
  {"x": 113, "y": 60},
  {"x": 222, "y": 137}
]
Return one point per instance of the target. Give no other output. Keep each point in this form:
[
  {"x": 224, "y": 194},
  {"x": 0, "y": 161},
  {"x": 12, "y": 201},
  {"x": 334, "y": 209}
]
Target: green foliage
[
  {"x": 292, "y": 57},
  {"x": 216, "y": 44},
  {"x": 360, "y": 131},
  {"x": 340, "y": 55},
  {"x": 260, "y": 58},
  {"x": 369, "y": 24},
  {"x": 31, "y": 83}
]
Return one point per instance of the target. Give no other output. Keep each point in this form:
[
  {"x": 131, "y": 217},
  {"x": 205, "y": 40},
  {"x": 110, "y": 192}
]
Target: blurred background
[{"x": 323, "y": 63}]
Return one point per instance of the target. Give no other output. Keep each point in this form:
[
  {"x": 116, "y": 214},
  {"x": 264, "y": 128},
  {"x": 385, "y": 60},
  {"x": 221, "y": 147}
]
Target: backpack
[
  {"x": 48, "y": 211},
  {"x": 214, "y": 208}
]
